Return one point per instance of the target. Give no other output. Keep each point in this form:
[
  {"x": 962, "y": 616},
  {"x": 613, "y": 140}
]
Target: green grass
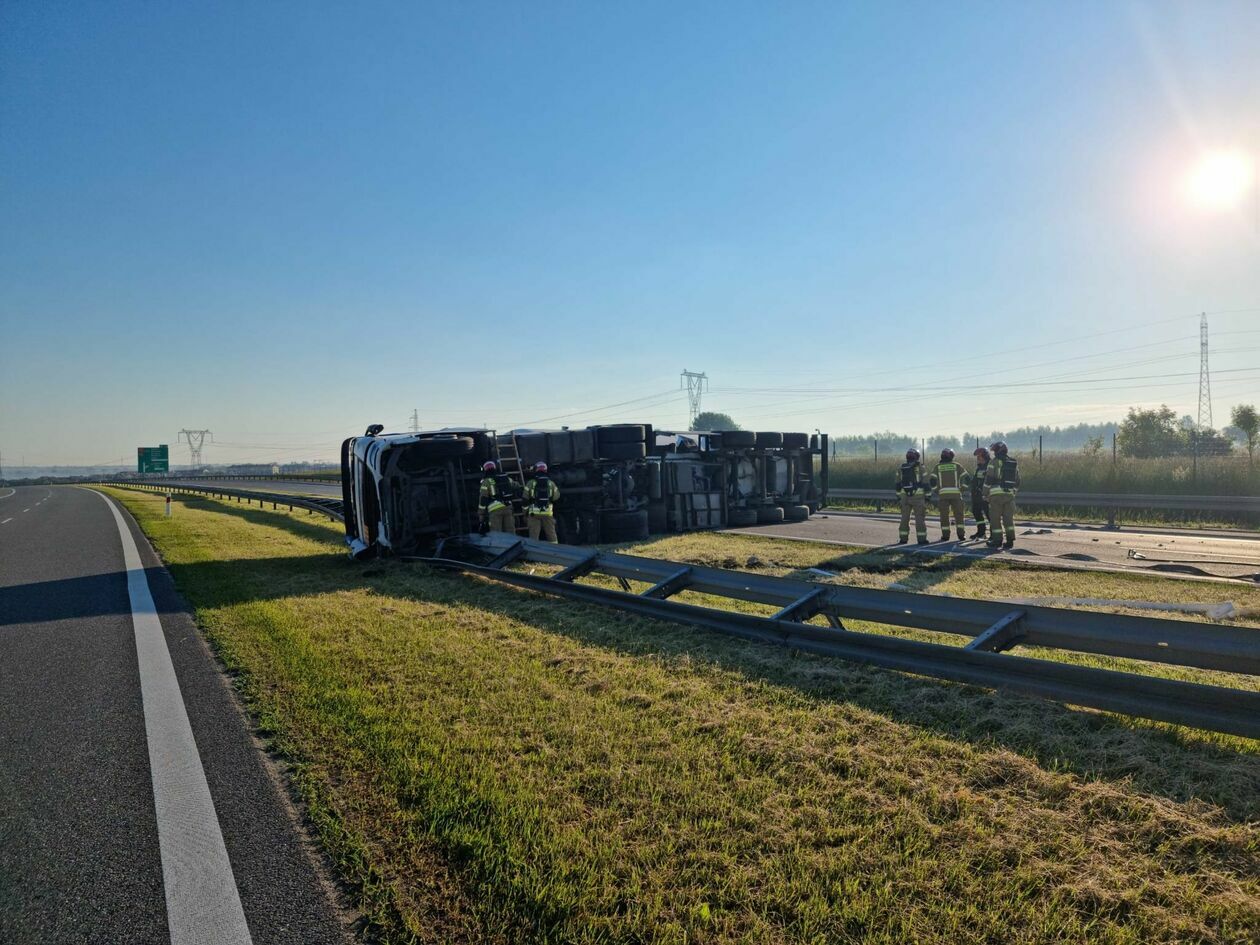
[{"x": 490, "y": 765}]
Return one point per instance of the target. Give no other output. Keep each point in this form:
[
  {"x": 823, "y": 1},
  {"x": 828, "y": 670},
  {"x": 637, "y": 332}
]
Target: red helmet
[
  {"x": 947, "y": 455},
  {"x": 998, "y": 447},
  {"x": 488, "y": 466},
  {"x": 912, "y": 455},
  {"x": 981, "y": 453},
  {"x": 540, "y": 467}
]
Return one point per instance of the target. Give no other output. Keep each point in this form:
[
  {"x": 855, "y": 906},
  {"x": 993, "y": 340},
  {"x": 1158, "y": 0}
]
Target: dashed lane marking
[
  {"x": 203, "y": 905},
  {"x": 6, "y": 521}
]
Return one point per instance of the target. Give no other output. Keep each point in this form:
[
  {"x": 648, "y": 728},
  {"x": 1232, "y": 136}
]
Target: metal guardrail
[
  {"x": 993, "y": 627},
  {"x": 1112, "y": 502},
  {"x": 259, "y": 477},
  {"x": 330, "y": 507}
]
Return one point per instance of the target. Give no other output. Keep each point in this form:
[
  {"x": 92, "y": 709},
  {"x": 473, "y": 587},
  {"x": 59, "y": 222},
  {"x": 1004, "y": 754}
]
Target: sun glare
[{"x": 1221, "y": 180}]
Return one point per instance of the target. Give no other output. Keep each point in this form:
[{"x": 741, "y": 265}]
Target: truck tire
[
  {"x": 769, "y": 515},
  {"x": 442, "y": 447},
  {"x": 796, "y": 441},
  {"x": 795, "y": 513},
  {"x": 739, "y": 518},
  {"x": 621, "y": 433},
  {"x": 738, "y": 439},
  {"x": 623, "y": 526},
  {"x": 623, "y": 451},
  {"x": 769, "y": 441}
]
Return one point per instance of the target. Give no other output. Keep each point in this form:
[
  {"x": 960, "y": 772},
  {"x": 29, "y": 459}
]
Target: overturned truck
[{"x": 405, "y": 492}]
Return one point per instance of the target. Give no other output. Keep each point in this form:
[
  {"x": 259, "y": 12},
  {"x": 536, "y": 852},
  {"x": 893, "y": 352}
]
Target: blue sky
[{"x": 284, "y": 221}]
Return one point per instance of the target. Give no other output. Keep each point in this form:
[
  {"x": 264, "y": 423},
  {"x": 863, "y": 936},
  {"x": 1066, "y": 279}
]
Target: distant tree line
[{"x": 1142, "y": 433}]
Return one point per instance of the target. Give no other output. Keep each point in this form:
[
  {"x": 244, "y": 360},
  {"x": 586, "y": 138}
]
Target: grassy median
[{"x": 489, "y": 765}]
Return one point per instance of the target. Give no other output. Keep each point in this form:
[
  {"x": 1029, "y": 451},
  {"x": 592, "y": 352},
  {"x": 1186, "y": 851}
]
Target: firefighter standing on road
[
  {"x": 540, "y": 495},
  {"x": 948, "y": 479},
  {"x": 912, "y": 488},
  {"x": 495, "y": 500},
  {"x": 979, "y": 502},
  {"x": 1002, "y": 482}
]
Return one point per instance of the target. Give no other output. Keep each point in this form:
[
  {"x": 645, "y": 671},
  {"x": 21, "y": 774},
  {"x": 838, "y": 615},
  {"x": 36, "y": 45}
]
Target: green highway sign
[{"x": 152, "y": 459}]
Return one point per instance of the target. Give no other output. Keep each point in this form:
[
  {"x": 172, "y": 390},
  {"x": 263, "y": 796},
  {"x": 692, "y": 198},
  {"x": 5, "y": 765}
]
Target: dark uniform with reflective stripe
[
  {"x": 1002, "y": 481},
  {"x": 979, "y": 503},
  {"x": 541, "y": 494},
  {"x": 495, "y": 503},
  {"x": 949, "y": 479},
  {"x": 912, "y": 489}
]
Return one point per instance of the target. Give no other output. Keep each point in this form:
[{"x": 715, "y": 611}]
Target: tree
[
  {"x": 1244, "y": 417},
  {"x": 715, "y": 421},
  {"x": 1093, "y": 446},
  {"x": 1209, "y": 442},
  {"x": 1145, "y": 433}
]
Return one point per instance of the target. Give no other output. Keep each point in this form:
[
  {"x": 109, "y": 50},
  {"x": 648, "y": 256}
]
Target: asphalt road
[
  {"x": 135, "y": 806},
  {"x": 1172, "y": 553}
]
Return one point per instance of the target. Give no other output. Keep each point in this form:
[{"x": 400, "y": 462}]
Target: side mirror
[{"x": 374, "y": 429}]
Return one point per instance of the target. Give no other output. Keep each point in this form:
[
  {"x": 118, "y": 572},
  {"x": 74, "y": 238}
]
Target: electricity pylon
[
  {"x": 195, "y": 438},
  {"x": 1205, "y": 379},
  {"x": 695, "y": 385}
]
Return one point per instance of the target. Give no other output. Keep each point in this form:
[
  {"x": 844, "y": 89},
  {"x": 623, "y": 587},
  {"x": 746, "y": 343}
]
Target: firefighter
[
  {"x": 912, "y": 488},
  {"x": 541, "y": 495},
  {"x": 1002, "y": 482},
  {"x": 494, "y": 503},
  {"x": 948, "y": 479},
  {"x": 979, "y": 502}
]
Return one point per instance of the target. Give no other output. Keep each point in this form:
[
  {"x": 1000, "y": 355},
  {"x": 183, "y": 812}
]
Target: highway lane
[
  {"x": 135, "y": 805},
  {"x": 1169, "y": 553}
]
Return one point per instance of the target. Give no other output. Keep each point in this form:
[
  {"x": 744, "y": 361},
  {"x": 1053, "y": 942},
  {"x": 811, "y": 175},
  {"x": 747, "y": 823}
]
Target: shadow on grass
[{"x": 1152, "y": 758}]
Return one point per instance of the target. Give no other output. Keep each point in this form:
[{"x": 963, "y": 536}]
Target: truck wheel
[
  {"x": 624, "y": 526},
  {"x": 441, "y": 447},
  {"x": 738, "y": 518},
  {"x": 769, "y": 441},
  {"x": 623, "y": 451},
  {"x": 796, "y": 441},
  {"x": 769, "y": 515},
  {"x": 738, "y": 439},
  {"x": 795, "y": 513}
]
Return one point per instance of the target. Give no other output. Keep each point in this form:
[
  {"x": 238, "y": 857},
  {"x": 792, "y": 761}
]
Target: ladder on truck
[{"x": 510, "y": 465}]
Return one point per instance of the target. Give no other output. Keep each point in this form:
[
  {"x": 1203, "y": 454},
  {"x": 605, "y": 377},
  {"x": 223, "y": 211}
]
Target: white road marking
[
  {"x": 9, "y": 493},
  {"x": 26, "y": 510},
  {"x": 203, "y": 905},
  {"x": 6, "y": 521}
]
